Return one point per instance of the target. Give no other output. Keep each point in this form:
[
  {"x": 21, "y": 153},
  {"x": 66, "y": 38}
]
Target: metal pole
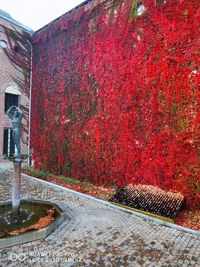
[{"x": 16, "y": 186}]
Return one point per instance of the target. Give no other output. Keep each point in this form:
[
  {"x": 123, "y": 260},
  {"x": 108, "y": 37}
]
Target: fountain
[
  {"x": 15, "y": 114},
  {"x": 24, "y": 220}
]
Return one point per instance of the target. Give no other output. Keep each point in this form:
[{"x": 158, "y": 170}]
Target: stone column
[{"x": 16, "y": 186}]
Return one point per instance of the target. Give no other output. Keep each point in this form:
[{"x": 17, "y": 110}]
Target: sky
[{"x": 37, "y": 13}]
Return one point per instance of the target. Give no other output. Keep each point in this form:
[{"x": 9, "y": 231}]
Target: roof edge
[
  {"x": 16, "y": 23},
  {"x": 84, "y": 3}
]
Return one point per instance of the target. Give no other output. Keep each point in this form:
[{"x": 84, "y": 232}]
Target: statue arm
[
  {"x": 20, "y": 113},
  {"x": 9, "y": 113}
]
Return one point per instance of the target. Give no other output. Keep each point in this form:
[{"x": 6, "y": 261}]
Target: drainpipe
[{"x": 30, "y": 99}]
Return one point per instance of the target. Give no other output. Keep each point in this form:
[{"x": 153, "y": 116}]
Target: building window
[
  {"x": 8, "y": 143},
  {"x": 11, "y": 100},
  {"x": 3, "y": 44},
  {"x": 17, "y": 48}
]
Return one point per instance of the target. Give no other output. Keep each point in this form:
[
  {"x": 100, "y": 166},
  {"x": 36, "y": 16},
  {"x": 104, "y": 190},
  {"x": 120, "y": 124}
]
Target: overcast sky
[{"x": 37, "y": 13}]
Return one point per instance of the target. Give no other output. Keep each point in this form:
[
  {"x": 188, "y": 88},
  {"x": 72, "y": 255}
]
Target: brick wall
[{"x": 8, "y": 73}]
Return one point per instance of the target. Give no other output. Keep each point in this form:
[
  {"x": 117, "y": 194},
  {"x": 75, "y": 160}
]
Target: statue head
[{"x": 16, "y": 113}]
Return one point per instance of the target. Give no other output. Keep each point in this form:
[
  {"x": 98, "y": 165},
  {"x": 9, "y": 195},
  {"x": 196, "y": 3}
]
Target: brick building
[{"x": 10, "y": 91}]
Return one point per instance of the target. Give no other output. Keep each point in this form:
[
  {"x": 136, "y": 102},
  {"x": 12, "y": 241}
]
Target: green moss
[
  {"x": 69, "y": 180},
  {"x": 42, "y": 174},
  {"x": 86, "y": 184},
  {"x": 134, "y": 9}
]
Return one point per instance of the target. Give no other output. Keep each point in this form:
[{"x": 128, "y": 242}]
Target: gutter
[{"x": 30, "y": 100}]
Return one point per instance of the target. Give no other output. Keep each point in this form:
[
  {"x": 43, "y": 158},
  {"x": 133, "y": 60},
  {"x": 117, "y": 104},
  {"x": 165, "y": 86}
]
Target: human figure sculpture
[{"x": 15, "y": 114}]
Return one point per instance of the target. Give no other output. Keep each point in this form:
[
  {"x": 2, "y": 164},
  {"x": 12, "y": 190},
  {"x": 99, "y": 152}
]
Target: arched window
[
  {"x": 3, "y": 44},
  {"x": 11, "y": 97}
]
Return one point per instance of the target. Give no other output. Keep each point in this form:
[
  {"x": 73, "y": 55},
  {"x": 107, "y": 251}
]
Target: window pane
[
  {"x": 8, "y": 143},
  {"x": 5, "y": 142},
  {"x": 12, "y": 144},
  {"x": 10, "y": 100}
]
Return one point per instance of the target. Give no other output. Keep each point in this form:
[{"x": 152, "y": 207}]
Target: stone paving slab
[{"x": 98, "y": 236}]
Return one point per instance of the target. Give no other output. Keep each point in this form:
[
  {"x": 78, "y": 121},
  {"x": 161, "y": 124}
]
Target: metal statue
[{"x": 15, "y": 114}]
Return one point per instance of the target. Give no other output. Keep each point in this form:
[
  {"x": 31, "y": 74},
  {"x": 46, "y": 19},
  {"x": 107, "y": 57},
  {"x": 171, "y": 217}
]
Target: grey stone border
[
  {"x": 105, "y": 203},
  {"x": 65, "y": 214}
]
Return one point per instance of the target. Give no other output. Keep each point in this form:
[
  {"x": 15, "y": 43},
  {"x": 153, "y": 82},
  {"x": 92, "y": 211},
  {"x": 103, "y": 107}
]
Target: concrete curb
[{"x": 105, "y": 203}]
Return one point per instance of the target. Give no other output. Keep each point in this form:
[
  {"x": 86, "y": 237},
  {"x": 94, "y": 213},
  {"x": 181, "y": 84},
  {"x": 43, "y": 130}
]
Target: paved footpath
[{"x": 98, "y": 235}]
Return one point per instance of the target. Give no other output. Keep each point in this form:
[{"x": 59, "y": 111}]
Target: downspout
[{"x": 30, "y": 99}]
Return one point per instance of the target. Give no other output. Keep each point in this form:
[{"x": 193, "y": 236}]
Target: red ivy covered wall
[{"x": 116, "y": 96}]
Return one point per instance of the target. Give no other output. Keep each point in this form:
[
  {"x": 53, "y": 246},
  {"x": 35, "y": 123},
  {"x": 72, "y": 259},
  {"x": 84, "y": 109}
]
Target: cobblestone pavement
[{"x": 99, "y": 236}]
